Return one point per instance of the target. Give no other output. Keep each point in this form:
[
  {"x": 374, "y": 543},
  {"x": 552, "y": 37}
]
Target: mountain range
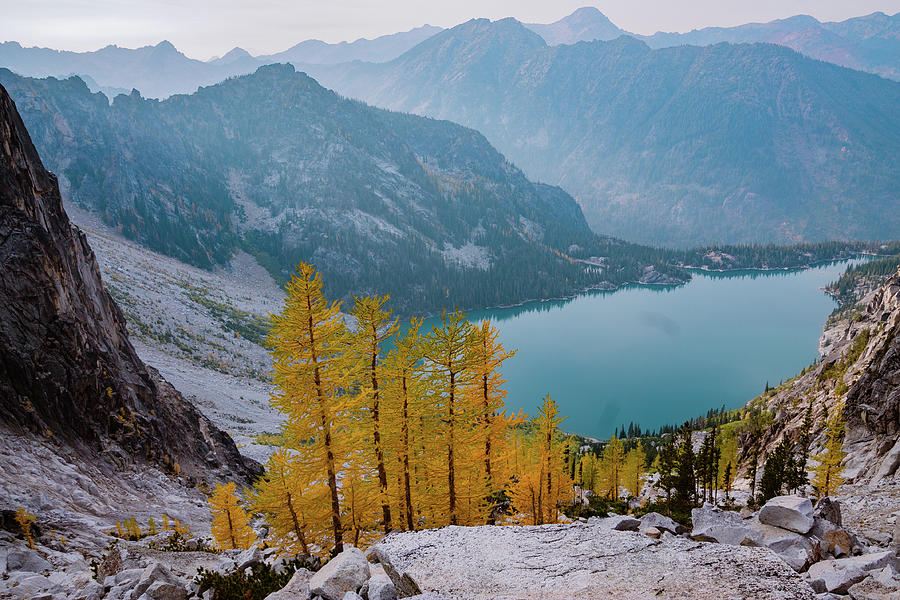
[
  {"x": 870, "y": 43},
  {"x": 160, "y": 71},
  {"x": 660, "y": 143},
  {"x": 274, "y": 164},
  {"x": 676, "y": 146}
]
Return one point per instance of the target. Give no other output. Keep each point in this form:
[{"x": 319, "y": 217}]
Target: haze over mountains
[
  {"x": 870, "y": 43},
  {"x": 676, "y": 146},
  {"x": 659, "y": 142}
]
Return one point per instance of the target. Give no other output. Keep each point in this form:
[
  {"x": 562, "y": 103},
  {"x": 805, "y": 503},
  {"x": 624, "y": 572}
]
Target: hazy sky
[{"x": 203, "y": 28}]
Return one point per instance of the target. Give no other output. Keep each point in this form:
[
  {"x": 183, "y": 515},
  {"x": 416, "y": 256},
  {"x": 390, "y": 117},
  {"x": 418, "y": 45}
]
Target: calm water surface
[{"x": 657, "y": 356}]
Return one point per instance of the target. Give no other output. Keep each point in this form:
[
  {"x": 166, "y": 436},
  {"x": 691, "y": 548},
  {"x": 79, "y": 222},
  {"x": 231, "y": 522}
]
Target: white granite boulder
[
  {"x": 581, "y": 561},
  {"x": 661, "y": 522},
  {"x": 616, "y": 522},
  {"x": 842, "y": 573},
  {"x": 793, "y": 513},
  {"x": 296, "y": 588},
  {"x": 712, "y": 524},
  {"x": 346, "y": 572}
]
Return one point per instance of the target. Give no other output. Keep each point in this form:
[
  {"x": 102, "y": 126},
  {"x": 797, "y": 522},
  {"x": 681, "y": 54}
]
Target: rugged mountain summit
[
  {"x": 586, "y": 24},
  {"x": 868, "y": 43},
  {"x": 685, "y": 145},
  {"x": 380, "y": 49},
  {"x": 160, "y": 71},
  {"x": 67, "y": 369}
]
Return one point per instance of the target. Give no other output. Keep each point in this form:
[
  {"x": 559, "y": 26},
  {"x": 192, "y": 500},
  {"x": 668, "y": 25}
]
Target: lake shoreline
[{"x": 660, "y": 358}]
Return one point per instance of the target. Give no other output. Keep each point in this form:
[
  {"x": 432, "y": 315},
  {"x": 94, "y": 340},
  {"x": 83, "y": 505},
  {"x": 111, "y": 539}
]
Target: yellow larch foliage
[
  {"x": 827, "y": 474},
  {"x": 405, "y": 408},
  {"x": 296, "y": 503},
  {"x": 373, "y": 327},
  {"x": 612, "y": 467},
  {"x": 314, "y": 382},
  {"x": 635, "y": 470},
  {"x": 361, "y": 499},
  {"x": 451, "y": 431},
  {"x": 24, "y": 520},
  {"x": 588, "y": 471},
  {"x": 487, "y": 357},
  {"x": 541, "y": 486},
  {"x": 230, "y": 522}
]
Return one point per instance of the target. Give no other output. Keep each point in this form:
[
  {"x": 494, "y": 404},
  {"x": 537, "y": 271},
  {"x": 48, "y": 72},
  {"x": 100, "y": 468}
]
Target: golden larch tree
[
  {"x": 635, "y": 469},
  {"x": 544, "y": 482},
  {"x": 448, "y": 351},
  {"x": 405, "y": 407},
  {"x": 373, "y": 327},
  {"x": 588, "y": 471},
  {"x": 230, "y": 522},
  {"x": 314, "y": 377},
  {"x": 612, "y": 466},
  {"x": 488, "y": 355},
  {"x": 827, "y": 474},
  {"x": 296, "y": 504}
]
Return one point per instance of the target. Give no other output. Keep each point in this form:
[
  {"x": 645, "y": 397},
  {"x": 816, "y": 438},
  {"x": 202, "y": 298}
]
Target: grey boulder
[
  {"x": 153, "y": 573},
  {"x": 828, "y": 509},
  {"x": 712, "y": 524},
  {"x": 616, "y": 522},
  {"x": 659, "y": 521},
  {"x": 248, "y": 558},
  {"x": 164, "y": 590},
  {"x": 796, "y": 550},
  {"x": 835, "y": 578},
  {"x": 380, "y": 587},
  {"x": 794, "y": 513},
  {"x": 296, "y": 588},
  {"x": 838, "y": 575},
  {"x": 346, "y": 572},
  {"x": 582, "y": 561},
  {"x": 26, "y": 559}
]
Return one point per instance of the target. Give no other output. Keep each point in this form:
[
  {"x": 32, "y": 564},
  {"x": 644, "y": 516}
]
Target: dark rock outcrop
[{"x": 67, "y": 368}]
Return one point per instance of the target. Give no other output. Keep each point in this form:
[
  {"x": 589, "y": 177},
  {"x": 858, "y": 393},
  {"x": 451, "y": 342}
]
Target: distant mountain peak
[
  {"x": 235, "y": 54},
  {"x": 167, "y": 46},
  {"x": 586, "y": 24}
]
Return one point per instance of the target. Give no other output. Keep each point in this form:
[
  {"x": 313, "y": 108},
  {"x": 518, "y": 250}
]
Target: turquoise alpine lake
[{"x": 656, "y": 356}]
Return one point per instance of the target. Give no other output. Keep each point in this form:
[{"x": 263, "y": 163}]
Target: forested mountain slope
[
  {"x": 686, "y": 145},
  {"x": 277, "y": 165}
]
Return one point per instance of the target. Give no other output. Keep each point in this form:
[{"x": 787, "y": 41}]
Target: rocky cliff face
[
  {"x": 873, "y": 401},
  {"x": 860, "y": 366},
  {"x": 67, "y": 369}
]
